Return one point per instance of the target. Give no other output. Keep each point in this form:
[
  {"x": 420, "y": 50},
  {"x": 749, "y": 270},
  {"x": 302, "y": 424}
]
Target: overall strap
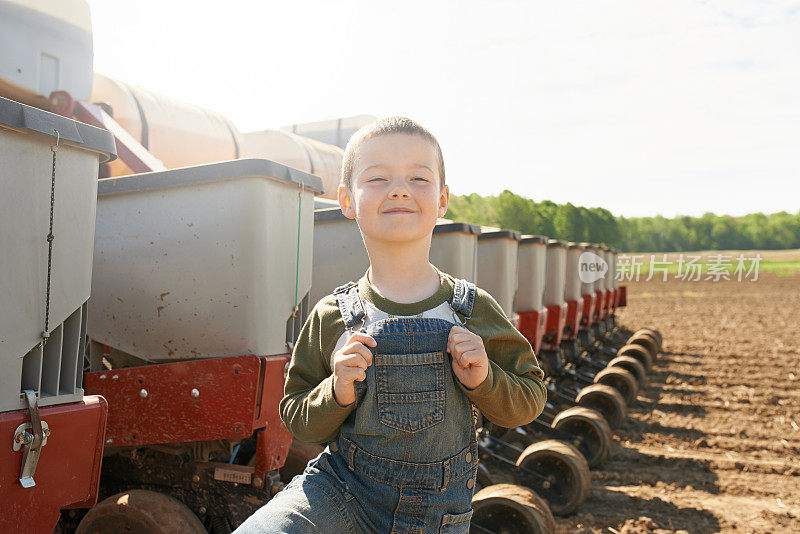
[
  {"x": 350, "y": 305},
  {"x": 463, "y": 298}
]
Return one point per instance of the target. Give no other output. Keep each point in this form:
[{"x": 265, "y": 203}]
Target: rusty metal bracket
[
  {"x": 30, "y": 443},
  {"x": 196, "y": 400}
]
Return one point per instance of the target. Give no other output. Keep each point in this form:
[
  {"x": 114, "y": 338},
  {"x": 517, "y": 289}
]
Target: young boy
[{"x": 387, "y": 369}]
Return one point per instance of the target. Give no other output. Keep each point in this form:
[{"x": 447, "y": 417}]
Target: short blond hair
[{"x": 386, "y": 126}]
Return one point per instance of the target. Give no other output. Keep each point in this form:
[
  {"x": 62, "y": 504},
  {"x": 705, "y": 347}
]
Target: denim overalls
[{"x": 406, "y": 458}]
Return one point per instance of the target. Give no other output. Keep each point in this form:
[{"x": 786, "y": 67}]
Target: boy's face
[{"x": 395, "y": 194}]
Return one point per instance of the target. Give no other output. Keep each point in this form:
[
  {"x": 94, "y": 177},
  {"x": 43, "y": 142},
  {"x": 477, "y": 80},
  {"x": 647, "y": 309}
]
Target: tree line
[{"x": 641, "y": 234}]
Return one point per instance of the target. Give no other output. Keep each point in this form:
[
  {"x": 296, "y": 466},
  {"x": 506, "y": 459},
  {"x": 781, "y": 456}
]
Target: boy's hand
[
  {"x": 350, "y": 365},
  {"x": 470, "y": 361}
]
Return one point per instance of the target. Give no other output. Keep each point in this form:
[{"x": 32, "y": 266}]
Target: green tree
[{"x": 640, "y": 234}]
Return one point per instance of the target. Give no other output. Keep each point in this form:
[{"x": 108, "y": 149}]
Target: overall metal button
[
  {"x": 470, "y": 483},
  {"x": 468, "y": 458},
  {"x": 333, "y": 446}
]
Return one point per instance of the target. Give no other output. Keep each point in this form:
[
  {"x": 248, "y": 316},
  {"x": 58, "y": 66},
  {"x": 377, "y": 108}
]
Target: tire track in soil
[{"x": 712, "y": 443}]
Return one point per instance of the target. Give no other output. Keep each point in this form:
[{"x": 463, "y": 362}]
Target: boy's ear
[
  {"x": 444, "y": 201},
  {"x": 345, "y": 203}
]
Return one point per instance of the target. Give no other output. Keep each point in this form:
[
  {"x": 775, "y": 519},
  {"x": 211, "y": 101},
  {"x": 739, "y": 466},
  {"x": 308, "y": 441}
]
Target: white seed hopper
[
  {"x": 572, "y": 286},
  {"x": 454, "y": 249},
  {"x": 203, "y": 261},
  {"x": 600, "y": 283},
  {"x": 556, "y": 273},
  {"x": 339, "y": 253},
  {"x": 497, "y": 265},
  {"x": 531, "y": 271},
  {"x": 587, "y": 288},
  {"x": 54, "y": 368}
]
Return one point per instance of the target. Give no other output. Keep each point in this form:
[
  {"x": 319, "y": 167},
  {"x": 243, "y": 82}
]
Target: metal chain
[
  {"x": 50, "y": 238},
  {"x": 297, "y": 264}
]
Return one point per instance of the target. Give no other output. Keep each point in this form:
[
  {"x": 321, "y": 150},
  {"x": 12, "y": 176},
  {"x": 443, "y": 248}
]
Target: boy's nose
[{"x": 399, "y": 193}]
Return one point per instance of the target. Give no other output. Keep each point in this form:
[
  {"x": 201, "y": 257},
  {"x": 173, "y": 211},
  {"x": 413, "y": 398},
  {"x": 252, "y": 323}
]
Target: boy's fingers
[
  {"x": 457, "y": 363},
  {"x": 352, "y": 374},
  {"x": 461, "y": 337},
  {"x": 464, "y": 346},
  {"x": 471, "y": 357},
  {"x": 457, "y": 360},
  {"x": 359, "y": 354},
  {"x": 361, "y": 337},
  {"x": 457, "y": 336},
  {"x": 456, "y": 329},
  {"x": 354, "y": 360},
  {"x": 358, "y": 348}
]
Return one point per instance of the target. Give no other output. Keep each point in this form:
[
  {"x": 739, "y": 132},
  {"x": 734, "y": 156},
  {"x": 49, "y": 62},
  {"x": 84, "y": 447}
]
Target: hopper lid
[
  {"x": 445, "y": 226},
  {"x": 74, "y": 133},
  {"x": 488, "y": 232},
  {"x": 533, "y": 239},
  {"x": 209, "y": 172}
]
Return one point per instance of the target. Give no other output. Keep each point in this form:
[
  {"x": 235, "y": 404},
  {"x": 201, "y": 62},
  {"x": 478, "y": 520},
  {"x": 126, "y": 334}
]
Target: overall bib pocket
[{"x": 410, "y": 390}]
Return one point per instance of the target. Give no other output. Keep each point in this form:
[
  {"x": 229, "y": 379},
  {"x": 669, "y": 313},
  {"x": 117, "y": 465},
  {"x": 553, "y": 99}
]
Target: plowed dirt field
[{"x": 712, "y": 443}]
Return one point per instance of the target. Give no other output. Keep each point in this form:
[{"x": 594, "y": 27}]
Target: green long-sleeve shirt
[{"x": 512, "y": 394}]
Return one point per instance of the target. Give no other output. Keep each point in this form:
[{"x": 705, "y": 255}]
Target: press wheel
[
  {"x": 632, "y": 365},
  {"x": 140, "y": 512},
  {"x": 645, "y": 341},
  {"x": 621, "y": 380},
  {"x": 655, "y": 334},
  {"x": 605, "y": 400},
  {"x": 565, "y": 469},
  {"x": 591, "y": 431},
  {"x": 638, "y": 352},
  {"x": 511, "y": 509}
]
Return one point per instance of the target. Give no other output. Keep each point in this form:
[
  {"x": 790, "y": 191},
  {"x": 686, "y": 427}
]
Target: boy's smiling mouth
[{"x": 399, "y": 210}]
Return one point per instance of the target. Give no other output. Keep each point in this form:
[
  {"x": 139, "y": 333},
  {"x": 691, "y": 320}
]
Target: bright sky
[{"x": 670, "y": 107}]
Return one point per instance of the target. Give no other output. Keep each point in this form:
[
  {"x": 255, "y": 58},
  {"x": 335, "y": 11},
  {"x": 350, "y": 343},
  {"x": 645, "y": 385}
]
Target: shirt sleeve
[
  {"x": 308, "y": 408},
  {"x": 513, "y": 393}
]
